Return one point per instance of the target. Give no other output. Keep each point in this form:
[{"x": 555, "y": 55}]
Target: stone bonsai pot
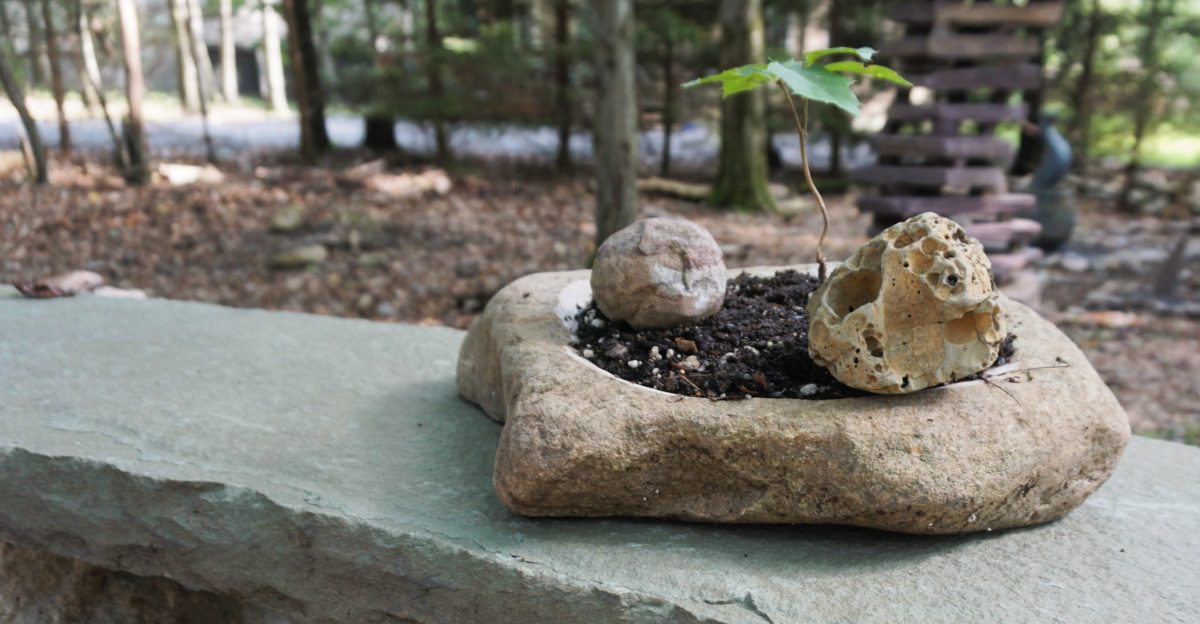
[{"x": 1024, "y": 445}]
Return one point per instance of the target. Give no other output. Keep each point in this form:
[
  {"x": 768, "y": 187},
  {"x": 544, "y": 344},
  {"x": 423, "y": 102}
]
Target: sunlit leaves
[
  {"x": 878, "y": 71},
  {"x": 828, "y": 83},
  {"x": 737, "y": 79},
  {"x": 816, "y": 83},
  {"x": 815, "y": 55}
]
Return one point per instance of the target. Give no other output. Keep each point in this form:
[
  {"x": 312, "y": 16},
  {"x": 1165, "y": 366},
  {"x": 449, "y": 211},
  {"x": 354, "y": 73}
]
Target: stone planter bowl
[{"x": 1025, "y": 447}]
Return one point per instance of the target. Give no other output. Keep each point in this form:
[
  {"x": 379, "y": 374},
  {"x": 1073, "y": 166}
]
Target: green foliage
[
  {"x": 663, "y": 24},
  {"x": 828, "y": 83},
  {"x": 737, "y": 79},
  {"x": 815, "y": 82},
  {"x": 1113, "y": 91},
  {"x": 816, "y": 55},
  {"x": 478, "y": 74},
  {"x": 811, "y": 80}
]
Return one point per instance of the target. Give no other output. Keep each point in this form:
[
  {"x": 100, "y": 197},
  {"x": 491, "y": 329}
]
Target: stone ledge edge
[{"x": 44, "y": 509}]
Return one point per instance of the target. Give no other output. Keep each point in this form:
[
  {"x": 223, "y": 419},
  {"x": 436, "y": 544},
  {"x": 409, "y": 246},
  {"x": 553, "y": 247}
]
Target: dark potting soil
[{"x": 756, "y": 346}]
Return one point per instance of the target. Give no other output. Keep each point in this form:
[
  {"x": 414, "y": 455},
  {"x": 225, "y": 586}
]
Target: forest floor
[{"x": 431, "y": 246}]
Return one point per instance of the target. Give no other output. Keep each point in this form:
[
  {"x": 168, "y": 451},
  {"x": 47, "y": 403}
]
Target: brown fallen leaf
[{"x": 38, "y": 290}]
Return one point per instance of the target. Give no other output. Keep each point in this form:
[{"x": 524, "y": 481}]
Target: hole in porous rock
[
  {"x": 853, "y": 291},
  {"x": 966, "y": 328},
  {"x": 952, "y": 280},
  {"x": 873, "y": 344},
  {"x": 920, "y": 262}
]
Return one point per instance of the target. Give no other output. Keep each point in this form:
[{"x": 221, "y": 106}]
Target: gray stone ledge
[{"x": 326, "y": 470}]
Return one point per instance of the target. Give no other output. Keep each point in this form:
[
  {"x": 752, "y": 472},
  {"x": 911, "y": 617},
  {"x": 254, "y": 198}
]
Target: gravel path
[{"x": 693, "y": 146}]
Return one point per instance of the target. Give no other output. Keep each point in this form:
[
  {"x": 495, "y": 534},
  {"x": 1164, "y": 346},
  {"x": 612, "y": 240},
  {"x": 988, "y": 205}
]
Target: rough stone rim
[{"x": 569, "y": 296}]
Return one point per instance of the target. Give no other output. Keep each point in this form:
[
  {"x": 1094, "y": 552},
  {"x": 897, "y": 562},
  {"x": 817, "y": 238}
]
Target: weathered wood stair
[{"x": 975, "y": 65}]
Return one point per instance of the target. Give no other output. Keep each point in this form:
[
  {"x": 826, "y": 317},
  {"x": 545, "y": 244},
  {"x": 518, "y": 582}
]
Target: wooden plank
[
  {"x": 989, "y": 178},
  {"x": 1004, "y": 235},
  {"x": 964, "y": 47},
  {"x": 906, "y": 206},
  {"x": 1034, "y": 15},
  {"x": 984, "y": 112},
  {"x": 985, "y": 147},
  {"x": 1011, "y": 76}
]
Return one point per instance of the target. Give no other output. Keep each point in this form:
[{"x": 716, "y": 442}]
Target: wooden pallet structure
[{"x": 976, "y": 62}]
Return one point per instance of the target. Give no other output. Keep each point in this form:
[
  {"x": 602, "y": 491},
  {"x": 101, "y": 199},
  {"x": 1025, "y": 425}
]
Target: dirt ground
[{"x": 430, "y": 246}]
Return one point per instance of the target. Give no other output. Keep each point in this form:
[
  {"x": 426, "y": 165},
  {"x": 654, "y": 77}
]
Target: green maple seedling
[{"x": 815, "y": 79}]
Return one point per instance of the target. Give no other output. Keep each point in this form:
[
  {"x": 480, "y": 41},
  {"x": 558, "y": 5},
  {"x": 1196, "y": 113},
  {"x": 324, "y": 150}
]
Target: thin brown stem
[{"x": 802, "y": 130}]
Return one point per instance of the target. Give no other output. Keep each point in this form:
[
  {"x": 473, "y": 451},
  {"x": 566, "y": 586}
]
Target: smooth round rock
[
  {"x": 915, "y": 307},
  {"x": 659, "y": 272}
]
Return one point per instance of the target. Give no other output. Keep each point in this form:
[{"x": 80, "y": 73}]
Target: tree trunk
[
  {"x": 37, "y": 73},
  {"x": 614, "y": 136},
  {"x": 837, "y": 37},
  {"x": 185, "y": 65},
  {"x": 1148, "y": 93},
  {"x": 815, "y": 34},
  {"x": 16, "y": 95},
  {"x": 204, "y": 68},
  {"x": 321, "y": 34},
  {"x": 199, "y": 52},
  {"x": 433, "y": 47},
  {"x": 742, "y": 168},
  {"x": 56, "y": 78},
  {"x": 314, "y": 139},
  {"x": 793, "y": 38},
  {"x": 379, "y": 129},
  {"x": 229, "y": 77},
  {"x": 1066, "y": 42},
  {"x": 668, "y": 115},
  {"x": 562, "y": 80},
  {"x": 90, "y": 75},
  {"x": 407, "y": 26},
  {"x": 273, "y": 55},
  {"x": 5, "y": 23},
  {"x": 87, "y": 54},
  {"x": 1081, "y": 101},
  {"x": 138, "y": 171},
  {"x": 835, "y": 149}
]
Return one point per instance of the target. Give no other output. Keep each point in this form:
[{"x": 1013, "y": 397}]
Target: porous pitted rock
[
  {"x": 964, "y": 457},
  {"x": 659, "y": 272},
  {"x": 914, "y": 307}
]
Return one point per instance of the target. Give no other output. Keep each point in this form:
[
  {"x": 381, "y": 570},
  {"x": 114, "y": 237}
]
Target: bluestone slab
[{"x": 326, "y": 469}]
